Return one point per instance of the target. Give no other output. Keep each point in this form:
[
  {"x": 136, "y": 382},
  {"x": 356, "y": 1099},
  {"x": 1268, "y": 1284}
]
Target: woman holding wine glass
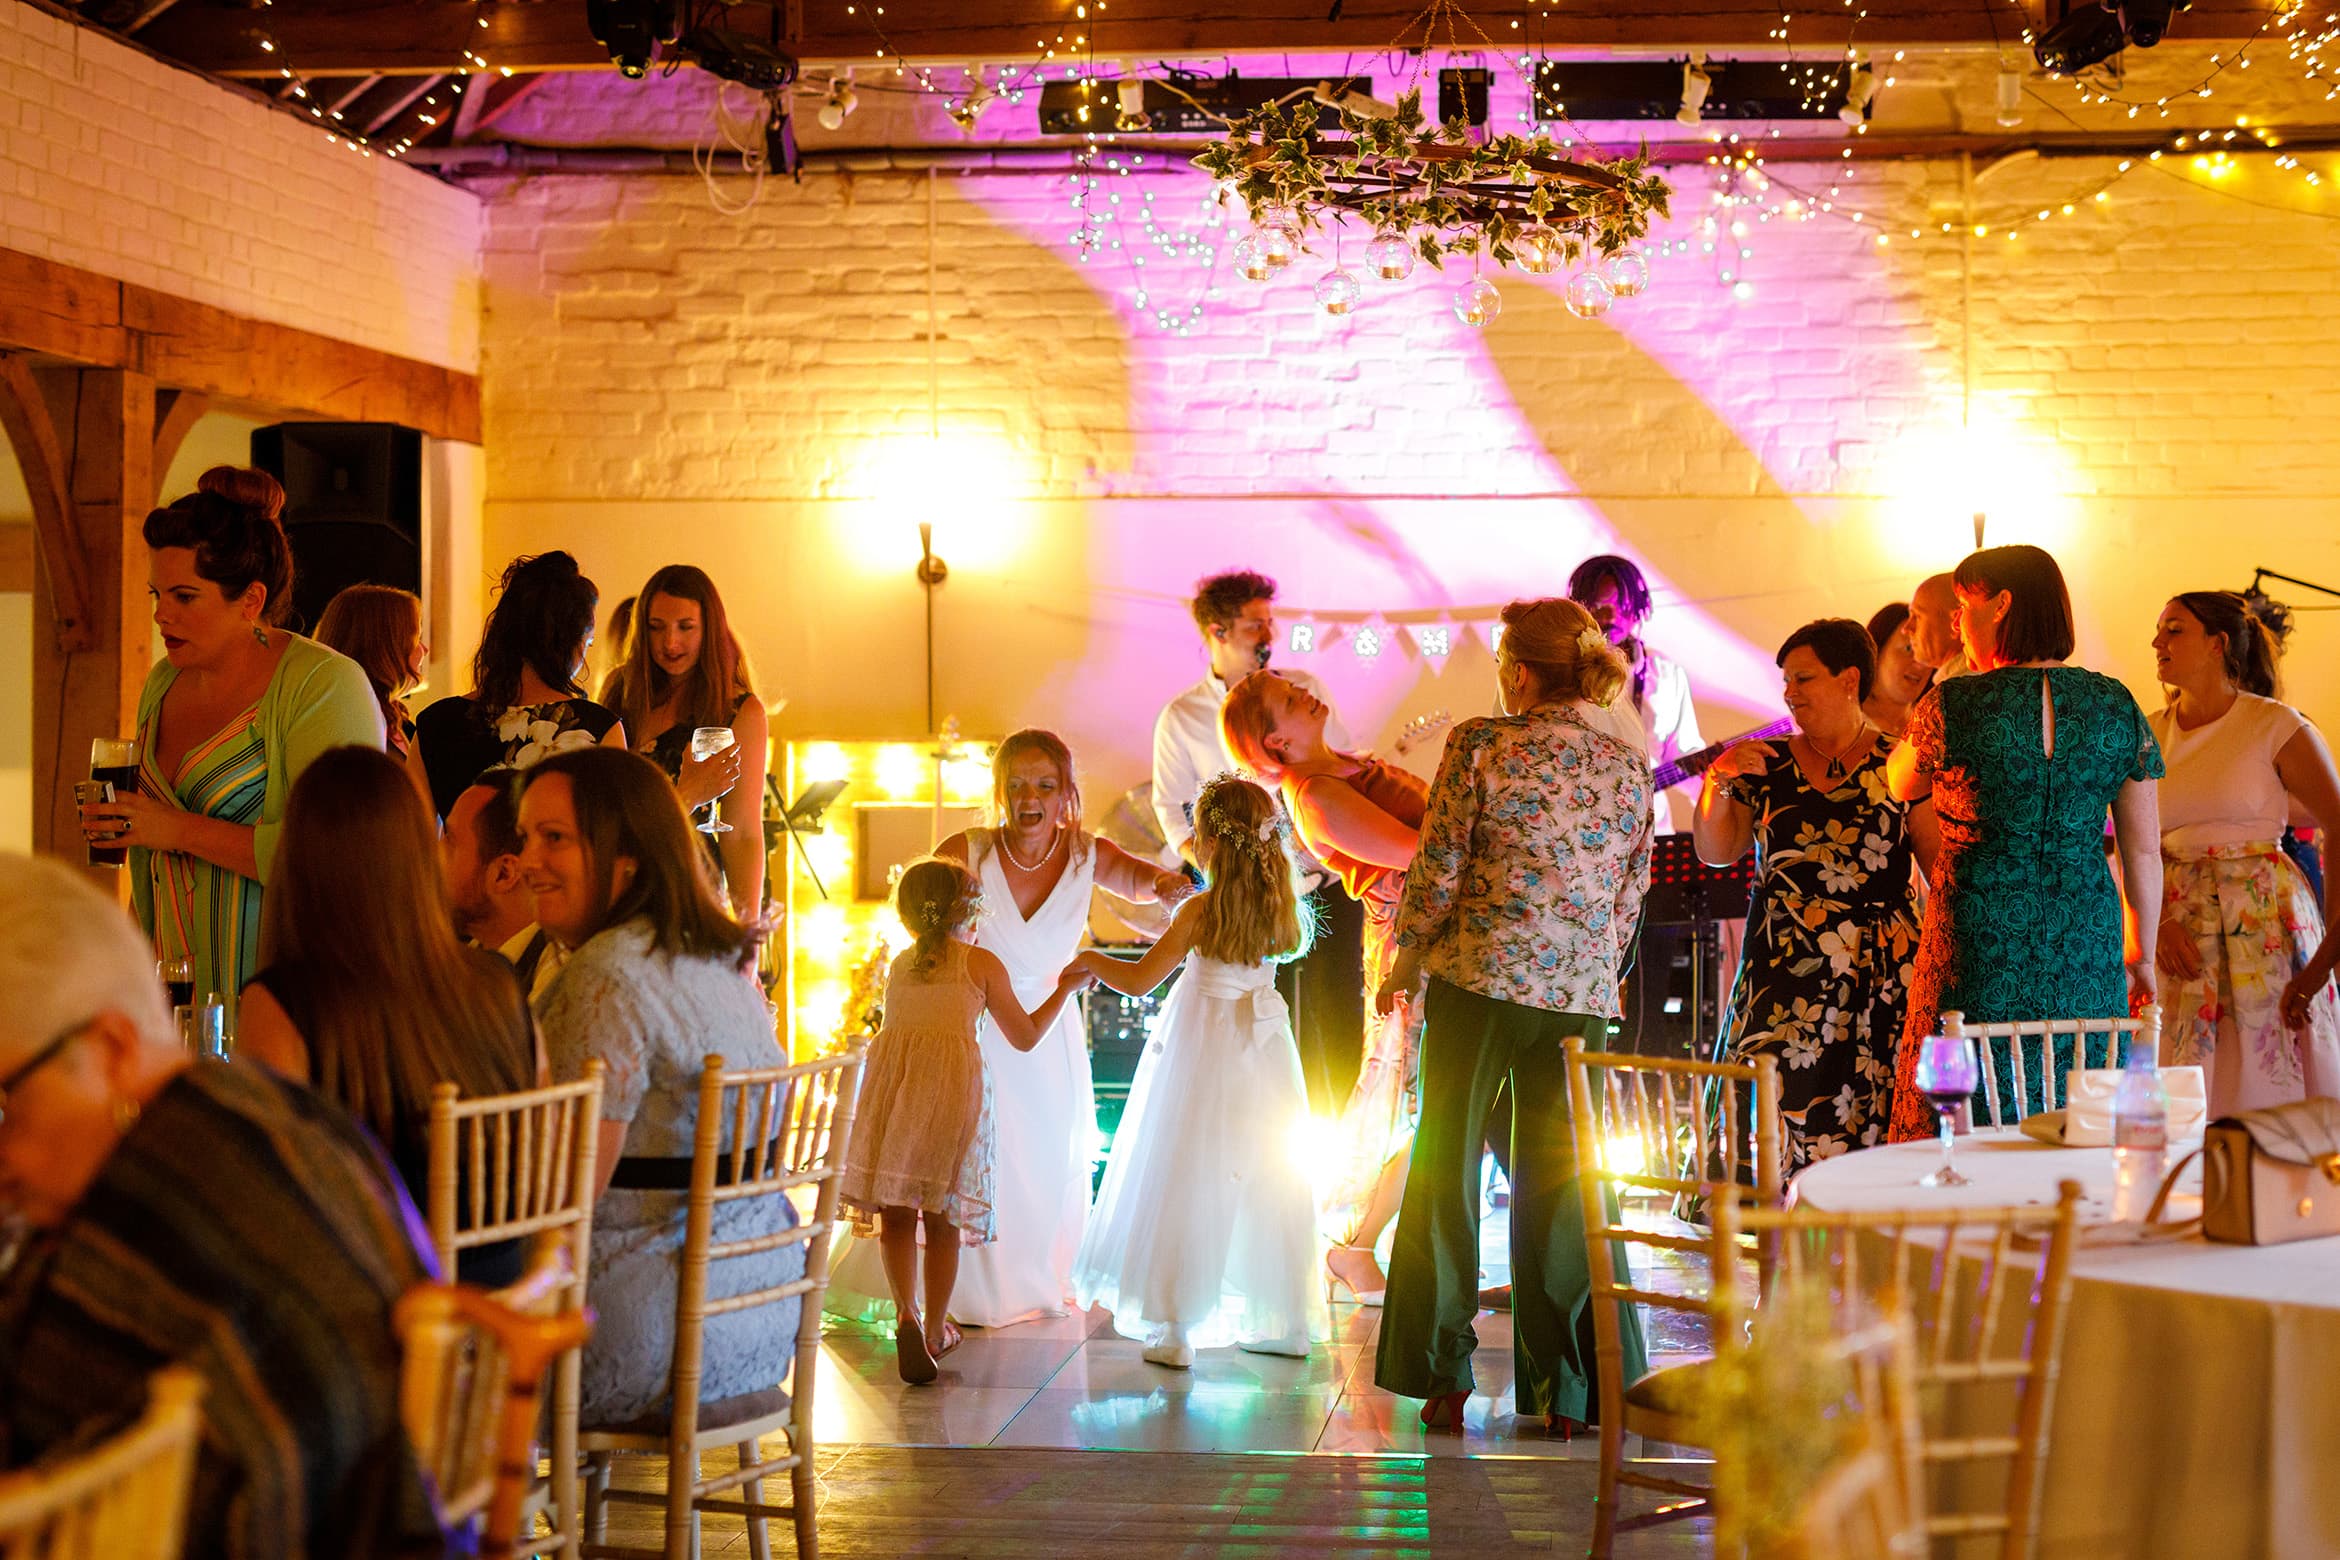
[
  {"x": 229, "y": 718},
  {"x": 685, "y": 695}
]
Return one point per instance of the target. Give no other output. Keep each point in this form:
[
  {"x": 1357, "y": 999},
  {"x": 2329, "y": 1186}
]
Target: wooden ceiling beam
[
  {"x": 401, "y": 103},
  {"x": 60, "y": 311},
  {"x": 430, "y": 37}
]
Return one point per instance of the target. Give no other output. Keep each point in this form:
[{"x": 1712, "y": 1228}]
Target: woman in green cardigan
[{"x": 229, "y": 718}]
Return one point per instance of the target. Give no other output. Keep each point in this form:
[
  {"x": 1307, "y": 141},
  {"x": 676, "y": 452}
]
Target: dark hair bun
[
  {"x": 236, "y": 542},
  {"x": 246, "y": 485},
  {"x": 535, "y": 570}
]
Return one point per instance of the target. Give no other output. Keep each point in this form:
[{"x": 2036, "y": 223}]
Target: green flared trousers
[{"x": 1472, "y": 1046}]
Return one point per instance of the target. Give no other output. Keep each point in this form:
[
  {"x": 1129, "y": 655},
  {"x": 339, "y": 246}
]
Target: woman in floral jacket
[
  {"x": 1519, "y": 906},
  {"x": 1832, "y": 925},
  {"x": 527, "y": 683}
]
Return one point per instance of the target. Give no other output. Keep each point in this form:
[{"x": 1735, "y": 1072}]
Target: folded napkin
[{"x": 2087, "y": 1119}]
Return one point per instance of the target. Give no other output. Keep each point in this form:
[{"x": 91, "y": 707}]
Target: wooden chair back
[
  {"x": 2028, "y": 1046},
  {"x": 766, "y": 1132},
  {"x": 1680, "y": 1131},
  {"x": 122, "y": 1499},
  {"x": 1870, "y": 1502},
  {"x": 521, "y": 1167},
  {"x": 1989, "y": 1288},
  {"x": 468, "y": 1389},
  {"x": 1684, "y": 1131}
]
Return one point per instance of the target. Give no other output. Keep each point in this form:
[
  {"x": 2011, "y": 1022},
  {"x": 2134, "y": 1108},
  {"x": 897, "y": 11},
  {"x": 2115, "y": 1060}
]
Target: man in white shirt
[
  {"x": 1235, "y": 614},
  {"x": 480, "y": 853},
  {"x": 1613, "y": 591},
  {"x": 1933, "y": 628}
]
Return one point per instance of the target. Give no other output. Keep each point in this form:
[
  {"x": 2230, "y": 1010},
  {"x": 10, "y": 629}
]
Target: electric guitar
[
  {"x": 1420, "y": 729},
  {"x": 1689, "y": 764}
]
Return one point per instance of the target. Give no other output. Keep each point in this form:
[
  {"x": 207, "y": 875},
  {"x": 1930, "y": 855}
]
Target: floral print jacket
[{"x": 1534, "y": 858}]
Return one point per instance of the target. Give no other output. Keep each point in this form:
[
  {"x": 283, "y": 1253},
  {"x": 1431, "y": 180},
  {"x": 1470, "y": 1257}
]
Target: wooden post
[{"x": 102, "y": 424}]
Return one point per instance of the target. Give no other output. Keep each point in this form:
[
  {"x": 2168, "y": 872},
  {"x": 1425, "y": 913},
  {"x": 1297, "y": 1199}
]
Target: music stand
[{"x": 804, "y": 815}]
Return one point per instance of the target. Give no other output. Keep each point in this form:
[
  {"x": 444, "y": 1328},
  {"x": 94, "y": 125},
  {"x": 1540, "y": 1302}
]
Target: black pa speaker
[{"x": 352, "y": 507}]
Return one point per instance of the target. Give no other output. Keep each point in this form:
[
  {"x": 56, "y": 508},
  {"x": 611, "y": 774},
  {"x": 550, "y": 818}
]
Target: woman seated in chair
[
  {"x": 189, "y": 1212},
  {"x": 659, "y": 977},
  {"x": 366, "y": 994}
]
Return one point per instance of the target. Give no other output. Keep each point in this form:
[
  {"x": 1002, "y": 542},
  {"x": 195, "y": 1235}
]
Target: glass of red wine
[
  {"x": 178, "y": 978},
  {"x": 1946, "y": 1071}
]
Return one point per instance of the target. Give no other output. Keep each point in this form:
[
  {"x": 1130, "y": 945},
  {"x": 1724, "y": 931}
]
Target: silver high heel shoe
[{"x": 1334, "y": 1278}]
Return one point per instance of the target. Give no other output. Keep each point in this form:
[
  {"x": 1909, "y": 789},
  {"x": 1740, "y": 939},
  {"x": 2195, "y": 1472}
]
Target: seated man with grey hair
[{"x": 170, "y": 1211}]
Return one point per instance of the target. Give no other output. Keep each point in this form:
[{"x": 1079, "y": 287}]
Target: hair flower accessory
[{"x": 1592, "y": 641}]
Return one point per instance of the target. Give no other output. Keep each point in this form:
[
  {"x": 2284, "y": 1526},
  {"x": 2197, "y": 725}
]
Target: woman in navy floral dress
[{"x": 1832, "y": 925}]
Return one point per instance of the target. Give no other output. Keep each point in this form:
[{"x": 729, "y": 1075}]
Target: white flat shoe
[
  {"x": 1294, "y": 1347},
  {"x": 1170, "y": 1350}
]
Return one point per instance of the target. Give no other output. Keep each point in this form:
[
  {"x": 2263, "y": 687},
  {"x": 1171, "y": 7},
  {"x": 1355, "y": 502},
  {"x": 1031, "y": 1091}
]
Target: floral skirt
[{"x": 2252, "y": 918}]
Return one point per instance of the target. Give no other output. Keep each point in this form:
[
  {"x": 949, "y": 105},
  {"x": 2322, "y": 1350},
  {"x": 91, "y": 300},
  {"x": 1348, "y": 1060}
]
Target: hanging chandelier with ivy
[{"x": 1429, "y": 191}]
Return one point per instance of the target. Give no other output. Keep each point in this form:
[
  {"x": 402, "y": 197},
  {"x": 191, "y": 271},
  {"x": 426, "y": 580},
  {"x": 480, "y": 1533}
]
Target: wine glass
[
  {"x": 1947, "y": 1073},
  {"x": 706, "y": 742},
  {"x": 178, "y": 978}
]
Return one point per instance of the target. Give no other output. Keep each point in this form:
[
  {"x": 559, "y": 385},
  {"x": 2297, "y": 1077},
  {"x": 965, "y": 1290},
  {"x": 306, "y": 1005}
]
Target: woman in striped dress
[{"x": 227, "y": 721}]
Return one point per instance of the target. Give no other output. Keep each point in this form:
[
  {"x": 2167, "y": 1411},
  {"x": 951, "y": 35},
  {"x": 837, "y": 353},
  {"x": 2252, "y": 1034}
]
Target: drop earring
[{"x": 259, "y": 634}]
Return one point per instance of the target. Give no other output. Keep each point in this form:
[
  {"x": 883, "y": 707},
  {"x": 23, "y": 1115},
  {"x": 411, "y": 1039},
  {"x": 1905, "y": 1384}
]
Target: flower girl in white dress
[{"x": 1204, "y": 1232}]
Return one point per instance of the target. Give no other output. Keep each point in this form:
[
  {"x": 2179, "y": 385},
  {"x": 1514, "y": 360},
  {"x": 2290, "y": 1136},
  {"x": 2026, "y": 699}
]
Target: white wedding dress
[
  {"x": 1044, "y": 1105},
  {"x": 1206, "y": 1221}
]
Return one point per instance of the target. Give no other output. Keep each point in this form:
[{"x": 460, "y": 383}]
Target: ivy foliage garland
[{"x": 1449, "y": 194}]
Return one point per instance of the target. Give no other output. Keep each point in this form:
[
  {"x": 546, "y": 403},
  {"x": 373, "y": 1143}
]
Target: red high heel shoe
[
  {"x": 1445, "y": 1412},
  {"x": 1563, "y": 1427}
]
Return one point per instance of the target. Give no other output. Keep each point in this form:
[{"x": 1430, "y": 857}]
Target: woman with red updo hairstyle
[{"x": 229, "y": 718}]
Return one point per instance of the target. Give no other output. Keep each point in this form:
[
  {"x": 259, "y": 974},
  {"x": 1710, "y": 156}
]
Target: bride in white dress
[{"x": 1037, "y": 868}]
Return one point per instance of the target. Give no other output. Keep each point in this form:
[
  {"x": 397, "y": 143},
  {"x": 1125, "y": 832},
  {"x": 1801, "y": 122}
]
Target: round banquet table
[{"x": 2197, "y": 1414}]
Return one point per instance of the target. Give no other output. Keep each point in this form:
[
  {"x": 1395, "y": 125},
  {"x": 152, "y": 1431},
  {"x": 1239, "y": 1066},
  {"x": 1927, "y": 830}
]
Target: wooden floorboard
[{"x": 1012, "y": 1504}]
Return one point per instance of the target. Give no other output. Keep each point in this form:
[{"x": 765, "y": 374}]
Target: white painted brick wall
[{"x": 118, "y": 163}]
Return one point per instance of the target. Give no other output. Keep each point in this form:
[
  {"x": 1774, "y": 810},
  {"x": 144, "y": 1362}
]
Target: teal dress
[{"x": 2024, "y": 921}]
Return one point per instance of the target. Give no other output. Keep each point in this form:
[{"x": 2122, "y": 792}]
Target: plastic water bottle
[{"x": 2140, "y": 1137}]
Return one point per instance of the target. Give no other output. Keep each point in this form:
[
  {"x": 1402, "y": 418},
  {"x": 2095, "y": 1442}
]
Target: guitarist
[{"x": 1616, "y": 594}]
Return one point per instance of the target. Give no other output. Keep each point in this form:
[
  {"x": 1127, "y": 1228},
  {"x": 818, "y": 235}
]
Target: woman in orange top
[{"x": 1360, "y": 817}]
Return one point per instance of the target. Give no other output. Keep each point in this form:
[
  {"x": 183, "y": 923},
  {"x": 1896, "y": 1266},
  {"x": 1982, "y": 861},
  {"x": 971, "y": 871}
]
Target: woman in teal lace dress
[{"x": 2023, "y": 758}]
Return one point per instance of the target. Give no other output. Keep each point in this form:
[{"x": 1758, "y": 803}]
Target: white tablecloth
[{"x": 2198, "y": 1413}]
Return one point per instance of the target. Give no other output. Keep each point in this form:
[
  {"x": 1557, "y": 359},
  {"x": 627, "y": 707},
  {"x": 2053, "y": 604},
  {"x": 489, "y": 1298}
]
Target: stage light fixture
[
  {"x": 631, "y": 30},
  {"x": 1860, "y": 89},
  {"x": 1696, "y": 84},
  {"x": 2088, "y": 35},
  {"x": 965, "y": 111},
  {"x": 1130, "y": 114},
  {"x": 840, "y": 102},
  {"x": 2146, "y": 22},
  {"x": 1355, "y": 100}
]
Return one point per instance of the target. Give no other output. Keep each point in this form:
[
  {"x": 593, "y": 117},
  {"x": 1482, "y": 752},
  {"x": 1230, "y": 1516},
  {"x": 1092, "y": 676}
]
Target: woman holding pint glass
[{"x": 229, "y": 718}]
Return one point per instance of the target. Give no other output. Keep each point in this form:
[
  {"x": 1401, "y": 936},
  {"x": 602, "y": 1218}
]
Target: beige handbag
[{"x": 2268, "y": 1176}]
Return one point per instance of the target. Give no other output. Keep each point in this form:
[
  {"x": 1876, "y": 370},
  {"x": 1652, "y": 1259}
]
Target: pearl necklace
[{"x": 1045, "y": 856}]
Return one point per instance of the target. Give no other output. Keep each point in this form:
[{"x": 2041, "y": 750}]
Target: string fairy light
[{"x": 419, "y": 116}]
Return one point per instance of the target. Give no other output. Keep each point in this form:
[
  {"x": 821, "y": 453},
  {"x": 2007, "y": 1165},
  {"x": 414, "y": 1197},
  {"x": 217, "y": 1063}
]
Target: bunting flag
[{"x": 1435, "y": 641}]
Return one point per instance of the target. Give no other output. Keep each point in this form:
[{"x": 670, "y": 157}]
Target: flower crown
[
  {"x": 943, "y": 914},
  {"x": 1243, "y": 836}
]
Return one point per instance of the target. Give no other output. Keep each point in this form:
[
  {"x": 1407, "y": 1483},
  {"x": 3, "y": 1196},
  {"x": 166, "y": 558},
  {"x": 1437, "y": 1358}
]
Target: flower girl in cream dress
[{"x": 922, "y": 1136}]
